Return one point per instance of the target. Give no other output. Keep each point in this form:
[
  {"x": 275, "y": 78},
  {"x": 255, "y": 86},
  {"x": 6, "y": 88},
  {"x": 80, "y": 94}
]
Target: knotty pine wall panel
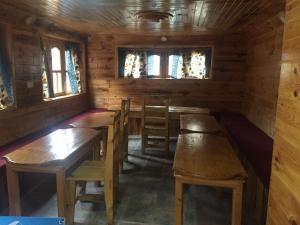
[
  {"x": 31, "y": 112},
  {"x": 223, "y": 92},
  {"x": 284, "y": 198},
  {"x": 262, "y": 74}
]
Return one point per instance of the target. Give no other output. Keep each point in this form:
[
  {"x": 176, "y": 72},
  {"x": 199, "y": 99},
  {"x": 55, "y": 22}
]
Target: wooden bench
[{"x": 255, "y": 150}]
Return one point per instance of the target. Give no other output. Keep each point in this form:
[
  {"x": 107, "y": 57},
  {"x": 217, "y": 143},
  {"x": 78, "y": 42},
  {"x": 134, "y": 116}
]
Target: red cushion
[{"x": 253, "y": 142}]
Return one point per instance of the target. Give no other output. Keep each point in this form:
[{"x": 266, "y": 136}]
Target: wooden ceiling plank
[
  {"x": 198, "y": 18},
  {"x": 235, "y": 13},
  {"x": 191, "y": 16},
  {"x": 251, "y": 6},
  {"x": 227, "y": 11},
  {"x": 219, "y": 13}
]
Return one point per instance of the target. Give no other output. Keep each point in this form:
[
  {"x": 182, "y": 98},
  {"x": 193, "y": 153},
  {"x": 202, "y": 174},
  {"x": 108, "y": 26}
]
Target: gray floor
[{"x": 147, "y": 196}]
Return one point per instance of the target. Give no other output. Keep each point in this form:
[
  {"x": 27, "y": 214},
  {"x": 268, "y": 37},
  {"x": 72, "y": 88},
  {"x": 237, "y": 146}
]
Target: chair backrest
[
  {"x": 124, "y": 126},
  {"x": 125, "y": 110},
  {"x": 112, "y": 153},
  {"x": 155, "y": 110}
]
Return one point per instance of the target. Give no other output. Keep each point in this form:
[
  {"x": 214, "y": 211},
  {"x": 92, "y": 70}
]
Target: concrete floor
[{"x": 146, "y": 196}]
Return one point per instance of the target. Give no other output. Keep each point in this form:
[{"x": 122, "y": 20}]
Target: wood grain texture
[
  {"x": 193, "y": 150},
  {"x": 52, "y": 149},
  {"x": 263, "y": 72},
  {"x": 31, "y": 112},
  {"x": 120, "y": 16},
  {"x": 223, "y": 92},
  {"x": 284, "y": 198},
  {"x": 199, "y": 124}
]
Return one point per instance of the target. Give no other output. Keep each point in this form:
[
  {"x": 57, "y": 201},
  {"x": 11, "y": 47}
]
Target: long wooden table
[
  {"x": 54, "y": 153},
  {"x": 205, "y": 159},
  {"x": 175, "y": 111},
  {"x": 195, "y": 123}
]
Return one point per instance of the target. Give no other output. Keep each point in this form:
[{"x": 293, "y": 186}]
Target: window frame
[
  {"x": 59, "y": 42},
  {"x": 6, "y": 43},
  {"x": 61, "y": 47},
  {"x": 164, "y": 51}
]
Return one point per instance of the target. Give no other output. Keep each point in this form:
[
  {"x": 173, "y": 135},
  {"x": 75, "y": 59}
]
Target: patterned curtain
[
  {"x": 72, "y": 67},
  {"x": 135, "y": 64},
  {"x": 143, "y": 63},
  {"x": 6, "y": 89},
  {"x": 47, "y": 80},
  {"x": 198, "y": 67},
  {"x": 186, "y": 64}
]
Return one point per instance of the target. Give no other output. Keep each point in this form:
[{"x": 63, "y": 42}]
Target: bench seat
[{"x": 251, "y": 141}]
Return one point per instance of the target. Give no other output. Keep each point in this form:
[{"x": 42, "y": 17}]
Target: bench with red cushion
[{"x": 251, "y": 141}]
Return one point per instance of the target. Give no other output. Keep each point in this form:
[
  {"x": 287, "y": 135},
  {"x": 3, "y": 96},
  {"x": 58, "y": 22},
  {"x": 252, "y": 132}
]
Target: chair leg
[
  {"x": 126, "y": 147},
  {"x": 70, "y": 200},
  {"x": 109, "y": 202},
  {"x": 143, "y": 142},
  {"x": 167, "y": 142}
]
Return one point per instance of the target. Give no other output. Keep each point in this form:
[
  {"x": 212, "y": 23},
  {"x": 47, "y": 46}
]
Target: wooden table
[
  {"x": 54, "y": 153},
  {"x": 195, "y": 123},
  {"x": 98, "y": 121},
  {"x": 205, "y": 159},
  {"x": 175, "y": 111}
]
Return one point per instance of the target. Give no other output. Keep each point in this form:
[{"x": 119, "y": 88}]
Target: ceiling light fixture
[{"x": 153, "y": 15}]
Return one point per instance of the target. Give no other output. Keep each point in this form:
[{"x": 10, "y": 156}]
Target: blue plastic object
[{"x": 10, "y": 220}]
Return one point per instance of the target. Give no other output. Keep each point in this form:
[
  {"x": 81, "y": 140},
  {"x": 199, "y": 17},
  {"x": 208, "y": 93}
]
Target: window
[
  {"x": 61, "y": 73},
  {"x": 188, "y": 63},
  {"x": 6, "y": 77},
  {"x": 153, "y": 65}
]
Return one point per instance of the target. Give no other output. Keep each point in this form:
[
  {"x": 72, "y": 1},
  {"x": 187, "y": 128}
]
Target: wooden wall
[
  {"x": 284, "y": 198},
  {"x": 263, "y": 72},
  {"x": 31, "y": 113},
  {"x": 223, "y": 92}
]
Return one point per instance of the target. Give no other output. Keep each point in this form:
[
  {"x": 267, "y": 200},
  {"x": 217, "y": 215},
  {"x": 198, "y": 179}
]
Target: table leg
[
  {"x": 60, "y": 190},
  {"x": 178, "y": 202},
  {"x": 237, "y": 200},
  {"x": 13, "y": 192}
]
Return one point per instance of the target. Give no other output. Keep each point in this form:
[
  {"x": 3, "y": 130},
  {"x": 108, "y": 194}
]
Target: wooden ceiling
[{"x": 112, "y": 16}]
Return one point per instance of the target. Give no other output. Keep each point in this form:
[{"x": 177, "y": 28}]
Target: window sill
[
  {"x": 164, "y": 78},
  {"x": 60, "y": 98},
  {"x": 8, "y": 109}
]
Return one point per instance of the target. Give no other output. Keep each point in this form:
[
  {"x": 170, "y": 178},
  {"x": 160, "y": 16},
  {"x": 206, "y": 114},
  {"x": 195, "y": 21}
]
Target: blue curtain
[
  {"x": 6, "y": 75},
  {"x": 150, "y": 63},
  {"x": 175, "y": 66},
  {"x": 70, "y": 67}
]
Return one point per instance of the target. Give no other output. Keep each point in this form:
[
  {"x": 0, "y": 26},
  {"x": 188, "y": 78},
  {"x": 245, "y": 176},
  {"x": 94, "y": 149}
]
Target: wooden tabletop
[
  {"x": 199, "y": 123},
  {"x": 175, "y": 111},
  {"x": 181, "y": 109},
  {"x": 52, "y": 148},
  {"x": 206, "y": 156},
  {"x": 95, "y": 120}
]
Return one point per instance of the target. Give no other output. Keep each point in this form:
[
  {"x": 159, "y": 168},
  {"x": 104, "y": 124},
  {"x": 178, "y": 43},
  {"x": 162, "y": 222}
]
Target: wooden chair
[
  {"x": 106, "y": 171},
  {"x": 124, "y": 125},
  {"x": 155, "y": 122}
]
